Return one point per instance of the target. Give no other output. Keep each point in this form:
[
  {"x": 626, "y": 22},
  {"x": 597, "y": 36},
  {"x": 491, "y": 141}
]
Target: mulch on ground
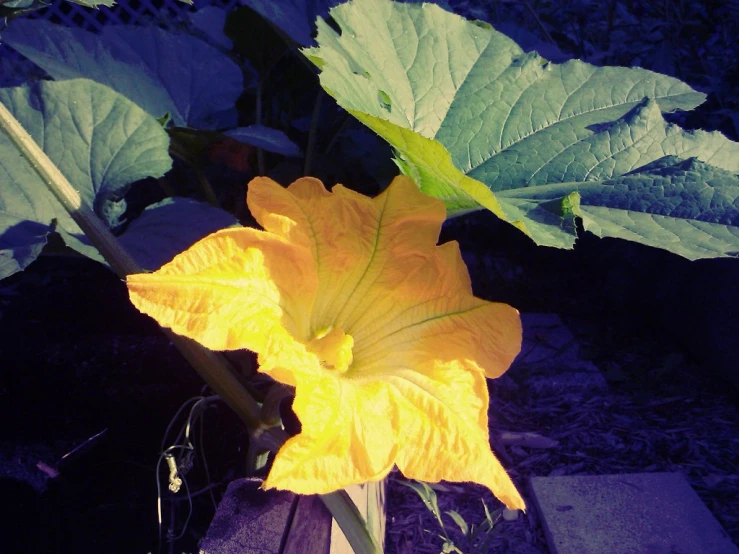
[{"x": 661, "y": 412}]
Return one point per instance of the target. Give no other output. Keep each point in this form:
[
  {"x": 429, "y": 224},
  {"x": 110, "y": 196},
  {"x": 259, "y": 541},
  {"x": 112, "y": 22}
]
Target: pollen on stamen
[{"x": 334, "y": 348}]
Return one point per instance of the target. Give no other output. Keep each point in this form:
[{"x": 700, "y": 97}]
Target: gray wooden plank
[{"x": 310, "y": 530}]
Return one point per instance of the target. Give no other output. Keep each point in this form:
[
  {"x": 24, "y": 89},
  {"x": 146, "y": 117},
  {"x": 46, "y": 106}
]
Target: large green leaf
[
  {"x": 293, "y": 17},
  {"x": 685, "y": 206},
  {"x": 169, "y": 227},
  {"x": 161, "y": 71},
  {"x": 480, "y": 123},
  {"x": 101, "y": 142}
]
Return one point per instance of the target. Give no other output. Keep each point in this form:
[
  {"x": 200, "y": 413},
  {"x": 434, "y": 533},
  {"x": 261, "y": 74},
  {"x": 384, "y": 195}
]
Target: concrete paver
[{"x": 638, "y": 513}]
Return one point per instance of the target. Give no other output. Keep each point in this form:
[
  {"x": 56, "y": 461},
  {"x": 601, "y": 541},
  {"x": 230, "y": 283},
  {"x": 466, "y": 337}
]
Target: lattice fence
[{"x": 15, "y": 69}]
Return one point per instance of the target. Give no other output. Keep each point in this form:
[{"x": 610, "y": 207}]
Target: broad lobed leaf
[
  {"x": 161, "y": 71},
  {"x": 478, "y": 122},
  {"x": 102, "y": 142}
]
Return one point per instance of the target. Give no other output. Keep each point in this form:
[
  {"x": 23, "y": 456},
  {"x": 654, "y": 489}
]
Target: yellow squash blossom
[{"x": 350, "y": 300}]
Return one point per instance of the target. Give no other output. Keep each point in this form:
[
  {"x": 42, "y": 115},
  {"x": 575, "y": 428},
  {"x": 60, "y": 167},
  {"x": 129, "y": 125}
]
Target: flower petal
[
  {"x": 347, "y": 437},
  {"x": 349, "y": 233},
  {"x": 431, "y": 315},
  {"x": 431, "y": 421},
  {"x": 237, "y": 288},
  {"x": 284, "y": 211},
  {"x": 442, "y": 420}
]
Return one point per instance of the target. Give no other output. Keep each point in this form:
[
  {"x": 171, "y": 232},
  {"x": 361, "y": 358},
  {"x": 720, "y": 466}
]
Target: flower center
[{"x": 334, "y": 348}]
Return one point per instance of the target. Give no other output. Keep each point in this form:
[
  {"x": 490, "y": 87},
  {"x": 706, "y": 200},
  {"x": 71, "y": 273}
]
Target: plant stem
[
  {"x": 218, "y": 373},
  {"x": 352, "y": 524},
  {"x": 211, "y": 366},
  {"x": 314, "y": 121},
  {"x": 260, "y": 152},
  {"x": 164, "y": 184},
  {"x": 341, "y": 128},
  {"x": 539, "y": 22},
  {"x": 208, "y": 191}
]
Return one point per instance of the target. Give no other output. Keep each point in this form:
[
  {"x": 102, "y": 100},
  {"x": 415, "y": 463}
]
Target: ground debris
[{"x": 636, "y": 425}]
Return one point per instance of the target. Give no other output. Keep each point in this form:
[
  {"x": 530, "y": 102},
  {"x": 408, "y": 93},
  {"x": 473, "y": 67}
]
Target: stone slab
[
  {"x": 550, "y": 362},
  {"x": 640, "y": 513}
]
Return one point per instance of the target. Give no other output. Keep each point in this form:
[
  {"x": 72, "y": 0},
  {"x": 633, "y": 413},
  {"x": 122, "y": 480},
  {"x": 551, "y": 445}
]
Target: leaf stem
[
  {"x": 314, "y": 121},
  {"x": 539, "y": 22},
  {"x": 260, "y": 152},
  {"x": 205, "y": 186},
  {"x": 211, "y": 366},
  {"x": 352, "y": 524},
  {"x": 340, "y": 129}
]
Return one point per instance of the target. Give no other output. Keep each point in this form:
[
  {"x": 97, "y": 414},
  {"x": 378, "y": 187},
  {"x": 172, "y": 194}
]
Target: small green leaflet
[
  {"x": 14, "y": 8},
  {"x": 271, "y": 140},
  {"x": 428, "y": 496},
  {"x": 477, "y": 122}
]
